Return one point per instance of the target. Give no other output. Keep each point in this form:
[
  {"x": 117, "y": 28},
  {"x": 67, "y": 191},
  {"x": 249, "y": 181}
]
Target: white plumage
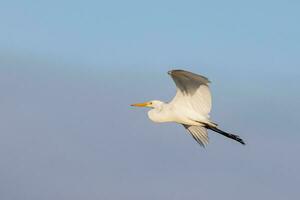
[{"x": 190, "y": 107}]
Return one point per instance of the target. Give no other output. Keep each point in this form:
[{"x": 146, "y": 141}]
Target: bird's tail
[{"x": 229, "y": 135}]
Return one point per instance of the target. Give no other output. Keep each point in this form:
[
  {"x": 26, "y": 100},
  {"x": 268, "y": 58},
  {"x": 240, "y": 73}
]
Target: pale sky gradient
[{"x": 70, "y": 69}]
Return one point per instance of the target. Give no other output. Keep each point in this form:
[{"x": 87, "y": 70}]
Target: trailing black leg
[{"x": 229, "y": 135}]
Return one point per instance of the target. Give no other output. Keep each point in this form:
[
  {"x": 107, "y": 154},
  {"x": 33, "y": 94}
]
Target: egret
[{"x": 190, "y": 107}]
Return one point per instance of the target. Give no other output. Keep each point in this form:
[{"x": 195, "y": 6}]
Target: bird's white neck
[{"x": 160, "y": 113}]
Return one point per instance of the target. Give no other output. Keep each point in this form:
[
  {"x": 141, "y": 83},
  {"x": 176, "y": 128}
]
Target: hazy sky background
[{"x": 70, "y": 69}]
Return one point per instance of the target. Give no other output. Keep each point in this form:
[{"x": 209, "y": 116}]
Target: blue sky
[{"x": 70, "y": 69}]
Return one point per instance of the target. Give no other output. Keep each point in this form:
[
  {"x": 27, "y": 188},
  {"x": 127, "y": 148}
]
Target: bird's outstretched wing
[
  {"x": 192, "y": 91},
  {"x": 199, "y": 133}
]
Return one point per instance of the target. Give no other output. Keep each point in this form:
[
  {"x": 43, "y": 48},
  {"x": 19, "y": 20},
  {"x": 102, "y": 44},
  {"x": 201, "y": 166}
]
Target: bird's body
[
  {"x": 190, "y": 107},
  {"x": 165, "y": 112}
]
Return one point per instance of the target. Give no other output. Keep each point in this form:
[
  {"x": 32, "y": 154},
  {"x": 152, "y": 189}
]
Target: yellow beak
[{"x": 145, "y": 104}]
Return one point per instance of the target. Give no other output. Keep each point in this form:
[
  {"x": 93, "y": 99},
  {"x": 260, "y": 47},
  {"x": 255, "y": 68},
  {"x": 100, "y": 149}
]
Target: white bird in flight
[{"x": 190, "y": 107}]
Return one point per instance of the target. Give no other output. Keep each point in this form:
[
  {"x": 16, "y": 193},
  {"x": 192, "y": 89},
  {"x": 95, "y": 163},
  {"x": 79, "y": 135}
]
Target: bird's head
[{"x": 149, "y": 104}]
